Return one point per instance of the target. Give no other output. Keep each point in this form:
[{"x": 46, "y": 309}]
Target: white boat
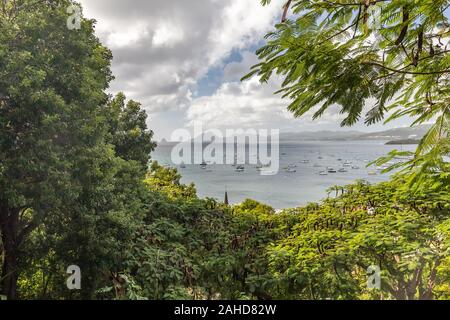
[
  {"x": 323, "y": 173},
  {"x": 347, "y": 163},
  {"x": 304, "y": 161},
  {"x": 265, "y": 171}
]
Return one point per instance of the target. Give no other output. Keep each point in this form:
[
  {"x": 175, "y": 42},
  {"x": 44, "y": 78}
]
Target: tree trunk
[
  {"x": 428, "y": 294},
  {"x": 8, "y": 226}
]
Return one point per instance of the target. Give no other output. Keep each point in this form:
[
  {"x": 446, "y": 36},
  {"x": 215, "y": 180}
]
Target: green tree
[
  {"x": 329, "y": 251},
  {"x": 58, "y": 169},
  {"x": 128, "y": 128},
  {"x": 168, "y": 181},
  {"x": 349, "y": 53}
]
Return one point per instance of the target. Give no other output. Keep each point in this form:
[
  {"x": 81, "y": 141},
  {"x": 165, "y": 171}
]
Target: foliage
[
  {"x": 75, "y": 187},
  {"x": 394, "y": 55},
  {"x": 51, "y": 134},
  {"x": 72, "y": 161},
  {"x": 384, "y": 225},
  {"x": 195, "y": 249},
  {"x": 167, "y": 180},
  {"x": 128, "y": 128}
]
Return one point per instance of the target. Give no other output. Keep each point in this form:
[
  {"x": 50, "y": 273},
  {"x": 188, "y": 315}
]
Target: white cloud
[
  {"x": 241, "y": 24},
  {"x": 167, "y": 35},
  {"x": 131, "y": 35},
  {"x": 236, "y": 70},
  {"x": 162, "y": 48},
  {"x": 251, "y": 105}
]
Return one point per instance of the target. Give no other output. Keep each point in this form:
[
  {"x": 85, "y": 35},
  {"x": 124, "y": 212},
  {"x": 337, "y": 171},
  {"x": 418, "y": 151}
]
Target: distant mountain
[
  {"x": 406, "y": 133},
  {"x": 399, "y": 133},
  {"x": 319, "y": 135}
]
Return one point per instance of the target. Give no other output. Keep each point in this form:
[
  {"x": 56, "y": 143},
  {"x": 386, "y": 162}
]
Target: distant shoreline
[{"x": 403, "y": 141}]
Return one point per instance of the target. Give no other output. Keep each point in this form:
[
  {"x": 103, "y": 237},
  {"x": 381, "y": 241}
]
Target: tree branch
[{"x": 285, "y": 10}]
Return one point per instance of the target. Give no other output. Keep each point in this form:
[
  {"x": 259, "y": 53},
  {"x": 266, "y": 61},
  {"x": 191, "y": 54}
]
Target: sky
[{"x": 183, "y": 60}]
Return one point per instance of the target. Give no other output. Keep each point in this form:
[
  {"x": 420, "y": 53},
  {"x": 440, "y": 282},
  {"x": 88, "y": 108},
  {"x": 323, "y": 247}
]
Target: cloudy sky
[{"x": 182, "y": 59}]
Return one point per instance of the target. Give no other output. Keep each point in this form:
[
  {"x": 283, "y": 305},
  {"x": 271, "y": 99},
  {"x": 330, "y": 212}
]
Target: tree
[
  {"x": 348, "y": 53},
  {"x": 328, "y": 252},
  {"x": 168, "y": 181},
  {"x": 128, "y": 128},
  {"x": 52, "y": 83}
]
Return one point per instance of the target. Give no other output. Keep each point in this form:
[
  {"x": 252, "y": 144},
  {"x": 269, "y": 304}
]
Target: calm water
[{"x": 287, "y": 189}]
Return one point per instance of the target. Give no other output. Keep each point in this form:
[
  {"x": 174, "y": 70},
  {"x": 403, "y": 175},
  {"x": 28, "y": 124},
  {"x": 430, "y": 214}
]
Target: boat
[
  {"x": 342, "y": 170},
  {"x": 331, "y": 170},
  {"x": 203, "y": 165},
  {"x": 291, "y": 170},
  {"x": 240, "y": 168},
  {"x": 323, "y": 173},
  {"x": 347, "y": 163},
  {"x": 304, "y": 161},
  {"x": 355, "y": 167},
  {"x": 371, "y": 173},
  {"x": 182, "y": 165},
  {"x": 267, "y": 172}
]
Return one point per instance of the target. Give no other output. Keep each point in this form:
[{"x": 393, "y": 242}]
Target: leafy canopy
[{"x": 392, "y": 55}]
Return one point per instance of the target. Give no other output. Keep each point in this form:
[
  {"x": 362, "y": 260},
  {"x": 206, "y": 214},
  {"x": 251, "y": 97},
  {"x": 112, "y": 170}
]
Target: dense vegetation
[{"x": 76, "y": 188}]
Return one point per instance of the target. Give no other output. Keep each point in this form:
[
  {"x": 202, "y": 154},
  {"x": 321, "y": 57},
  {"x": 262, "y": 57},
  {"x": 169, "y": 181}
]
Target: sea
[{"x": 298, "y": 180}]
